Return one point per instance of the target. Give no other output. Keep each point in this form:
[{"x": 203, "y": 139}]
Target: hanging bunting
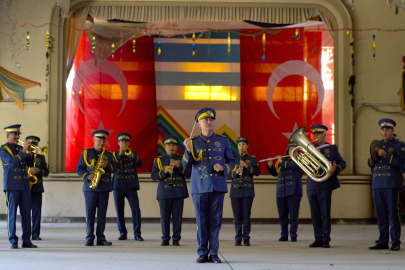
[
  {"x": 133, "y": 44},
  {"x": 297, "y": 34},
  {"x": 93, "y": 43},
  {"x": 374, "y": 46},
  {"x": 349, "y": 35},
  {"x": 193, "y": 37},
  {"x": 28, "y": 40},
  {"x": 47, "y": 39},
  {"x": 112, "y": 47},
  {"x": 229, "y": 43},
  {"x": 159, "y": 43},
  {"x": 264, "y": 46}
]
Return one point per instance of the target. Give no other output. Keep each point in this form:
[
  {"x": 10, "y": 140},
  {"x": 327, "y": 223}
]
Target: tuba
[
  {"x": 308, "y": 158},
  {"x": 98, "y": 171}
]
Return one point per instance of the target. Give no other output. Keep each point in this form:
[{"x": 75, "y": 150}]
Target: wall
[{"x": 377, "y": 82}]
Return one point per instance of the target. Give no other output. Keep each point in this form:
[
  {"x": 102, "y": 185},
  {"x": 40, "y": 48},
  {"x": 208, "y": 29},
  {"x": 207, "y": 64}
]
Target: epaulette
[
  {"x": 221, "y": 135},
  {"x": 196, "y": 136},
  {"x": 251, "y": 155},
  {"x": 398, "y": 140},
  {"x": 161, "y": 156}
]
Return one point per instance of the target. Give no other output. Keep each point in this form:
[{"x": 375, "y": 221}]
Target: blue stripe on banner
[
  {"x": 172, "y": 52},
  {"x": 197, "y": 78}
]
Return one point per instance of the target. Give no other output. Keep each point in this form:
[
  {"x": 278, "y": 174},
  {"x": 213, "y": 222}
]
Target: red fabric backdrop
[
  {"x": 101, "y": 98},
  {"x": 293, "y": 103}
]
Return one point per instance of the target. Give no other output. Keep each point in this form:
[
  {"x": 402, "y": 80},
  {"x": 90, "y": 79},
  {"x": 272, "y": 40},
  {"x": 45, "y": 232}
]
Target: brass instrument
[
  {"x": 268, "y": 159},
  {"x": 374, "y": 146},
  {"x": 171, "y": 173},
  {"x": 308, "y": 158},
  {"x": 35, "y": 148},
  {"x": 241, "y": 173},
  {"x": 127, "y": 151},
  {"x": 32, "y": 177},
  {"x": 98, "y": 171}
]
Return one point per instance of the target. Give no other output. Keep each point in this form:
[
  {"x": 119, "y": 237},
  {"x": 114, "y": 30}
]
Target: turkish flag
[
  {"x": 117, "y": 95},
  {"x": 269, "y": 116}
]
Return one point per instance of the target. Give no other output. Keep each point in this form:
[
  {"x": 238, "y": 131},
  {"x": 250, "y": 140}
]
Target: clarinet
[
  {"x": 171, "y": 173},
  {"x": 241, "y": 173}
]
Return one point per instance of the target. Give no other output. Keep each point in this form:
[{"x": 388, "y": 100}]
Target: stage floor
[{"x": 63, "y": 247}]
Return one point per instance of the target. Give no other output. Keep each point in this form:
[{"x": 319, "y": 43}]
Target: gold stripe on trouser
[{"x": 8, "y": 219}]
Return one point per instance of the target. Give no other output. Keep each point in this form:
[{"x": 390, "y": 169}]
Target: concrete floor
[{"x": 63, "y": 247}]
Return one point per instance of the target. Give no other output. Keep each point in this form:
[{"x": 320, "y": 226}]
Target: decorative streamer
[
  {"x": 133, "y": 44},
  {"x": 193, "y": 38},
  {"x": 159, "y": 43},
  {"x": 93, "y": 44},
  {"x": 47, "y": 39},
  {"x": 349, "y": 35},
  {"x": 28, "y": 40},
  {"x": 112, "y": 47},
  {"x": 374, "y": 46},
  {"x": 315, "y": 50},
  {"x": 229, "y": 44},
  {"x": 264, "y": 46},
  {"x": 297, "y": 34}
]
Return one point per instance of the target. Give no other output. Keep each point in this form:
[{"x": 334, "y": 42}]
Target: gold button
[
  {"x": 379, "y": 174},
  {"x": 209, "y": 149},
  {"x": 125, "y": 177},
  {"x": 208, "y": 140},
  {"x": 210, "y": 157},
  {"x": 211, "y": 174},
  {"x": 384, "y": 146}
]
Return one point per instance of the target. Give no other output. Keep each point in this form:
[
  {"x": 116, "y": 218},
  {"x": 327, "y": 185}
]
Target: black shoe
[
  {"x": 165, "y": 243},
  {"x": 293, "y": 239},
  {"x": 376, "y": 241},
  {"x": 238, "y": 243},
  {"x": 246, "y": 242},
  {"x": 89, "y": 243},
  {"x": 138, "y": 238},
  {"x": 283, "y": 239},
  {"x": 317, "y": 243},
  {"x": 122, "y": 237},
  {"x": 104, "y": 243},
  {"x": 325, "y": 245},
  {"x": 214, "y": 259},
  {"x": 29, "y": 245},
  {"x": 395, "y": 247},
  {"x": 379, "y": 246},
  {"x": 176, "y": 243},
  {"x": 14, "y": 246},
  {"x": 37, "y": 238},
  {"x": 202, "y": 259}
]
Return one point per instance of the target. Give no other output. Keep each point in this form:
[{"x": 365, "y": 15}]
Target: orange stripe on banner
[
  {"x": 113, "y": 91},
  {"x": 197, "y": 67},
  {"x": 287, "y": 94},
  {"x": 134, "y": 66}
]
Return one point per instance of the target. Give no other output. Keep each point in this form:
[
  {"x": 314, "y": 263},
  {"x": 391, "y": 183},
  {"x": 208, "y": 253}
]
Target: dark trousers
[
  {"x": 96, "y": 201},
  {"x": 133, "y": 200},
  {"x": 320, "y": 201},
  {"x": 15, "y": 199},
  {"x": 289, "y": 205},
  {"x": 36, "y": 206},
  {"x": 171, "y": 208},
  {"x": 241, "y": 208},
  {"x": 386, "y": 203},
  {"x": 208, "y": 212}
]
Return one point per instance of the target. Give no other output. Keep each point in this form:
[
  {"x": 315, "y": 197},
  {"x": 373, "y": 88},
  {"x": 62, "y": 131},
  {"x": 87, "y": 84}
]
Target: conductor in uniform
[
  {"x": 320, "y": 193},
  {"x": 171, "y": 190},
  {"x": 126, "y": 185},
  {"x": 96, "y": 199},
  {"x": 243, "y": 190},
  {"x": 16, "y": 185},
  {"x": 387, "y": 185},
  {"x": 41, "y": 170},
  {"x": 210, "y": 157}
]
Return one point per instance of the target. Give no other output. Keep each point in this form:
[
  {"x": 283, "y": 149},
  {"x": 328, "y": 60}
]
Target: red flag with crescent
[
  {"x": 282, "y": 93},
  {"x": 117, "y": 95}
]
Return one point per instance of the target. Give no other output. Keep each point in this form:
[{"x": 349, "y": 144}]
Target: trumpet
[
  {"x": 35, "y": 148},
  {"x": 127, "y": 151}
]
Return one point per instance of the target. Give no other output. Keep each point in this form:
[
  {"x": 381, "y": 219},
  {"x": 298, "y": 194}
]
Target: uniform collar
[
  {"x": 390, "y": 141},
  {"x": 326, "y": 143},
  {"x": 207, "y": 138}
]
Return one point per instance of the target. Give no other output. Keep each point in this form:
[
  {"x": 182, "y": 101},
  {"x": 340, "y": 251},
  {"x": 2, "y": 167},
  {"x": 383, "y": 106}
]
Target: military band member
[
  {"x": 16, "y": 185},
  {"x": 96, "y": 199},
  {"x": 171, "y": 190},
  {"x": 40, "y": 170},
  {"x": 126, "y": 185},
  {"x": 210, "y": 157},
  {"x": 387, "y": 185},
  {"x": 242, "y": 191},
  {"x": 288, "y": 193},
  {"x": 320, "y": 193}
]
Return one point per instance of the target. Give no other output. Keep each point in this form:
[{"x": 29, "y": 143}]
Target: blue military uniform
[
  {"x": 96, "y": 199},
  {"x": 288, "y": 193},
  {"x": 126, "y": 185},
  {"x": 37, "y": 190},
  {"x": 171, "y": 191},
  {"x": 242, "y": 192},
  {"x": 208, "y": 186},
  {"x": 16, "y": 185},
  {"x": 387, "y": 185},
  {"x": 320, "y": 193}
]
